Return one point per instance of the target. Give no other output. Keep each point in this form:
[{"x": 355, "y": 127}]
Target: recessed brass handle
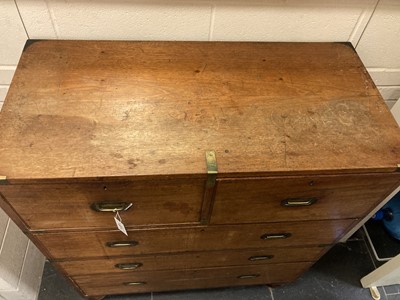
[
  {"x": 128, "y": 266},
  {"x": 299, "y": 201},
  {"x": 262, "y": 257},
  {"x": 274, "y": 236},
  {"x": 134, "y": 283},
  {"x": 249, "y": 276},
  {"x": 119, "y": 244},
  {"x": 111, "y": 206}
]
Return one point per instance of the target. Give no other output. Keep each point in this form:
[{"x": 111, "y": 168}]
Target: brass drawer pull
[
  {"x": 134, "y": 283},
  {"x": 122, "y": 244},
  {"x": 111, "y": 206},
  {"x": 299, "y": 201},
  {"x": 263, "y": 257},
  {"x": 128, "y": 266},
  {"x": 274, "y": 236},
  {"x": 249, "y": 276}
]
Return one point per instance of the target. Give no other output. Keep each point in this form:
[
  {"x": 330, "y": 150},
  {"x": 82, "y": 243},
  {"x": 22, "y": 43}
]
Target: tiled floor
[{"x": 335, "y": 276}]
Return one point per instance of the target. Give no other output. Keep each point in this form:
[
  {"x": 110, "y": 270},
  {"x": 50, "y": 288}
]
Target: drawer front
[
  {"x": 114, "y": 243},
  {"x": 282, "y": 199},
  {"x": 60, "y": 206},
  {"x": 191, "y": 260},
  {"x": 106, "y": 284}
]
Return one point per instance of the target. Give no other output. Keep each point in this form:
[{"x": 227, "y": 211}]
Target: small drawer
[
  {"x": 92, "y": 244},
  {"x": 91, "y": 205},
  {"x": 107, "y": 284},
  {"x": 281, "y": 199},
  {"x": 191, "y": 260}
]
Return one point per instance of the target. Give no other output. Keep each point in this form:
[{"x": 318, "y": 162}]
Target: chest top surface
[{"x": 82, "y": 109}]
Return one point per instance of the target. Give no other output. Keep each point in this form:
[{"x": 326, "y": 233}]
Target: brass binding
[
  {"x": 3, "y": 179},
  {"x": 212, "y": 168}
]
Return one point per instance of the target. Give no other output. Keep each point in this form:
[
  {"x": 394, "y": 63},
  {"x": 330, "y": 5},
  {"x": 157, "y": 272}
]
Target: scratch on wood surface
[
  {"x": 190, "y": 240},
  {"x": 100, "y": 242},
  {"x": 338, "y": 51},
  {"x": 101, "y": 103},
  {"x": 36, "y": 105},
  {"x": 290, "y": 78},
  {"x": 70, "y": 171},
  {"x": 284, "y": 139},
  {"x": 99, "y": 107},
  {"x": 127, "y": 114},
  {"x": 285, "y": 152},
  {"x": 216, "y": 120}
]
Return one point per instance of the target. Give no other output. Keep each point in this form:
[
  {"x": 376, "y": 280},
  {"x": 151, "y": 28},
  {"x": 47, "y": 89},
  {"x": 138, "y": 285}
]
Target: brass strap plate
[
  {"x": 3, "y": 179},
  {"x": 212, "y": 168}
]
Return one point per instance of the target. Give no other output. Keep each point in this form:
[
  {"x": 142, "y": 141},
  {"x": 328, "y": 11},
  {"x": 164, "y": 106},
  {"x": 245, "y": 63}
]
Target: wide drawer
[
  {"x": 137, "y": 282},
  {"x": 62, "y": 206},
  {"x": 282, "y": 199},
  {"x": 193, "y": 260},
  {"x": 113, "y": 243}
]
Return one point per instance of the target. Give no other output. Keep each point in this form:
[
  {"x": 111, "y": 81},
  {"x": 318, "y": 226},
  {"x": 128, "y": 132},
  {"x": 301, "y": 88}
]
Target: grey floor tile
[
  {"x": 54, "y": 286},
  {"x": 382, "y": 293},
  {"x": 146, "y": 296},
  {"x": 392, "y": 289},
  {"x": 335, "y": 276},
  {"x": 233, "y": 293},
  {"x": 393, "y": 297}
]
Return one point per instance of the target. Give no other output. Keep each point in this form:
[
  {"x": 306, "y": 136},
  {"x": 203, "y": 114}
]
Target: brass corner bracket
[
  {"x": 212, "y": 168},
  {"x": 3, "y": 179}
]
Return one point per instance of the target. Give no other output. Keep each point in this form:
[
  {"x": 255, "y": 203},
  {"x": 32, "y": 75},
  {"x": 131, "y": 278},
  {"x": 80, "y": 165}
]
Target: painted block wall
[
  {"x": 21, "y": 263},
  {"x": 372, "y": 26},
  {"x": 12, "y": 38}
]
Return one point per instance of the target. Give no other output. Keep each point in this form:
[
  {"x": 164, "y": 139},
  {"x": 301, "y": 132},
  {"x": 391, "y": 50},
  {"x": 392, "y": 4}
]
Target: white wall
[
  {"x": 21, "y": 263},
  {"x": 379, "y": 48},
  {"x": 373, "y": 26},
  {"x": 12, "y": 39}
]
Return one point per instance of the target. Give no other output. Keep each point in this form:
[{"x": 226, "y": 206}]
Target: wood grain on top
[{"x": 79, "y": 109}]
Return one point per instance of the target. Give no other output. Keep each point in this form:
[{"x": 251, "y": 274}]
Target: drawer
[
  {"x": 192, "y": 260},
  {"x": 113, "y": 243},
  {"x": 105, "y": 284},
  {"x": 61, "y": 206},
  {"x": 282, "y": 199}
]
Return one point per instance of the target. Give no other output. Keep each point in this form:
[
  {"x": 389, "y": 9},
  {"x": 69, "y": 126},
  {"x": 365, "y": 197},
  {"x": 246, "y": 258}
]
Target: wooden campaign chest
[{"x": 228, "y": 163}]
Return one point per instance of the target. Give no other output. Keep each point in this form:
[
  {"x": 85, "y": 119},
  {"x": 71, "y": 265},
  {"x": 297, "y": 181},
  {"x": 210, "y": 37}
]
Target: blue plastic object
[{"x": 390, "y": 216}]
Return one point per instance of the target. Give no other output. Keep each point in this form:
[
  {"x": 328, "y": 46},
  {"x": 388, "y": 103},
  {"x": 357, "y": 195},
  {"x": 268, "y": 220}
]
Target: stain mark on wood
[
  {"x": 117, "y": 155},
  {"x": 150, "y": 96}
]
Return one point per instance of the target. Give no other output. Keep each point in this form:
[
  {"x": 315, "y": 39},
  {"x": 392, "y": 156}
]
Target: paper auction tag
[{"x": 120, "y": 225}]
